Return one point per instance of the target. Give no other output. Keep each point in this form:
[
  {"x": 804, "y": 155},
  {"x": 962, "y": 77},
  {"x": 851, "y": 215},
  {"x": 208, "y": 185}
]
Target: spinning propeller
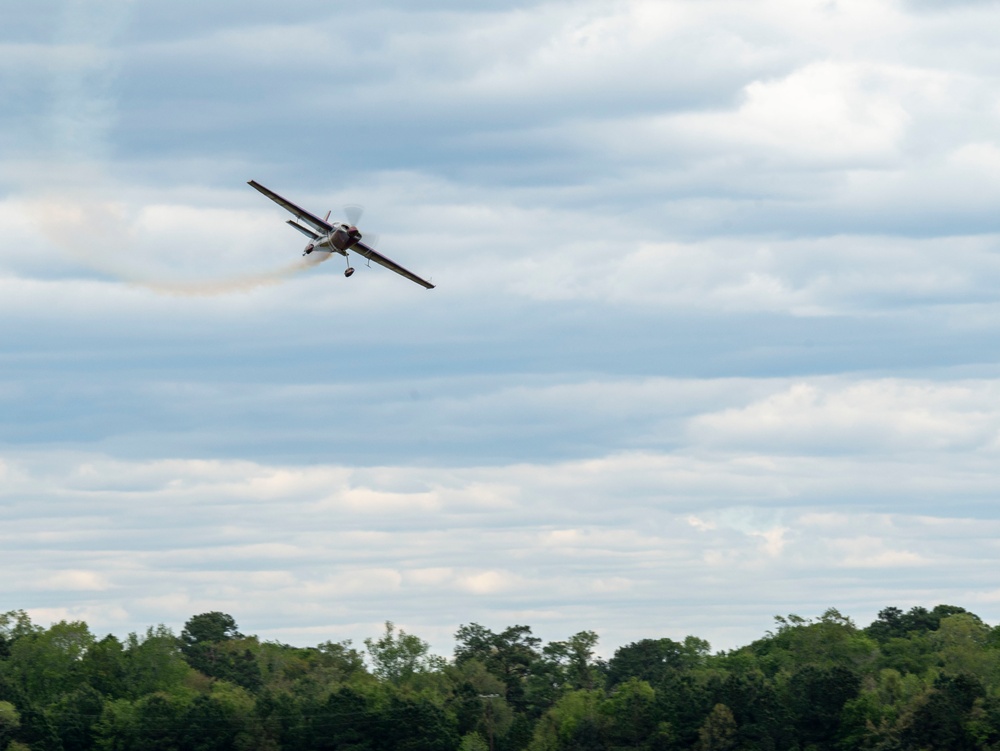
[{"x": 353, "y": 213}]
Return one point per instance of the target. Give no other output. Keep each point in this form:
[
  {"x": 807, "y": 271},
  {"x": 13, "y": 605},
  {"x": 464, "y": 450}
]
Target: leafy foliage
[
  {"x": 399, "y": 656},
  {"x": 919, "y": 679}
]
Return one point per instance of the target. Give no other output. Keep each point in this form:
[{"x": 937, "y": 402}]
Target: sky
[{"x": 714, "y": 336}]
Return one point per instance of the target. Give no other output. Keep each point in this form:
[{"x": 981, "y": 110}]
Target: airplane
[{"x": 335, "y": 238}]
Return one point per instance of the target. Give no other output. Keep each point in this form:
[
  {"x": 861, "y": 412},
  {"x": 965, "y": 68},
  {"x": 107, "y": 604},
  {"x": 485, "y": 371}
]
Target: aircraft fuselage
[{"x": 340, "y": 240}]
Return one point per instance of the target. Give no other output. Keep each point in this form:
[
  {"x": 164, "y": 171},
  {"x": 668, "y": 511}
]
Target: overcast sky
[{"x": 714, "y": 338}]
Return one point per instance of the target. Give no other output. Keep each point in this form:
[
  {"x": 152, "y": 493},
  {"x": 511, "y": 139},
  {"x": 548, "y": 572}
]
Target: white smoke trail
[
  {"x": 237, "y": 283},
  {"x": 99, "y": 235},
  {"x": 72, "y": 199}
]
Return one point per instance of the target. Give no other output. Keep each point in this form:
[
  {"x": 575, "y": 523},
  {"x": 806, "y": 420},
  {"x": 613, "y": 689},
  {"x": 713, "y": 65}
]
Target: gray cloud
[
  {"x": 716, "y": 305},
  {"x": 943, "y": 5},
  {"x": 657, "y": 540}
]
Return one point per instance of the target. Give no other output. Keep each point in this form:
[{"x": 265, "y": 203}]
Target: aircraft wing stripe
[
  {"x": 373, "y": 255},
  {"x": 313, "y": 221}
]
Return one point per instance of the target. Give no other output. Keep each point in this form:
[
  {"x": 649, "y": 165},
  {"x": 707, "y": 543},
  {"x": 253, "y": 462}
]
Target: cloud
[
  {"x": 331, "y": 571},
  {"x": 824, "y": 114},
  {"x": 948, "y": 5},
  {"x": 75, "y": 580},
  {"x": 870, "y": 552},
  {"x": 840, "y": 275},
  {"x": 886, "y": 415},
  {"x": 717, "y": 293},
  {"x": 824, "y": 478}
]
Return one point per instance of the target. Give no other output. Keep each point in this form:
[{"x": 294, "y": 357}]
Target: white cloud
[
  {"x": 591, "y": 543},
  {"x": 885, "y": 415},
  {"x": 870, "y": 552},
  {"x": 774, "y": 540},
  {"x": 824, "y": 114},
  {"x": 489, "y": 582},
  {"x": 838, "y": 275},
  {"x": 717, "y": 297},
  {"x": 74, "y": 580}
]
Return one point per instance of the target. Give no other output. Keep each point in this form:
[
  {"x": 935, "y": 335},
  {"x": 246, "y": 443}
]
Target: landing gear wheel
[{"x": 348, "y": 271}]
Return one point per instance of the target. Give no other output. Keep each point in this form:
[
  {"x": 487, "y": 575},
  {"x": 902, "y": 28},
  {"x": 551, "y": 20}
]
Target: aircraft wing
[
  {"x": 373, "y": 255},
  {"x": 313, "y": 221}
]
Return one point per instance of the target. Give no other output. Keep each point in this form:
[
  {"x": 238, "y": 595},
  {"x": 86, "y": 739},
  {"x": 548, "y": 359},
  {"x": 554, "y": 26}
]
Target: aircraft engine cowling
[{"x": 343, "y": 239}]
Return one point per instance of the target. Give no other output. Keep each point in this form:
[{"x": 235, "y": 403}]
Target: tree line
[{"x": 916, "y": 680}]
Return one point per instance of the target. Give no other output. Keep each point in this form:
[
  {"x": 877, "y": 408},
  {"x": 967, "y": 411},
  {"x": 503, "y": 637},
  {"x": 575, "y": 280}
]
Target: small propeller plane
[{"x": 335, "y": 238}]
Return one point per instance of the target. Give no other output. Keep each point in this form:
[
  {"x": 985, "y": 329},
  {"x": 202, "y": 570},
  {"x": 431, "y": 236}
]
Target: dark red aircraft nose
[{"x": 309, "y": 248}]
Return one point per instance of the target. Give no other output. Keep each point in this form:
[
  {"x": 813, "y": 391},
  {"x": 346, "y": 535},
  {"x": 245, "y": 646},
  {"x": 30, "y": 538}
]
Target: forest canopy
[{"x": 919, "y": 679}]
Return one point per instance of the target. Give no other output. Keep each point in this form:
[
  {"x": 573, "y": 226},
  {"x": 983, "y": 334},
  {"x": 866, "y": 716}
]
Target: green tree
[
  {"x": 45, "y": 664},
  {"x": 306, "y": 671},
  {"x": 718, "y": 732},
  {"x": 473, "y": 742},
  {"x": 479, "y": 703},
  {"x": 13, "y": 625},
  {"x": 118, "y": 727},
  {"x": 888, "y": 625},
  {"x": 10, "y": 721},
  {"x": 876, "y": 717},
  {"x": 160, "y": 723},
  {"x": 495, "y": 718},
  {"x": 283, "y": 719},
  {"x": 342, "y": 658},
  {"x": 961, "y": 643},
  {"x": 576, "y": 721},
  {"x": 75, "y": 716},
  {"x": 209, "y": 725},
  {"x": 921, "y": 620},
  {"x": 209, "y": 628},
  {"x": 153, "y": 662},
  {"x": 572, "y": 663},
  {"x": 830, "y": 640},
  {"x": 510, "y": 655},
  {"x": 236, "y": 662},
  {"x": 983, "y": 724},
  {"x": 213, "y": 645},
  {"x": 104, "y": 667},
  {"x": 939, "y": 722},
  {"x": 683, "y": 703},
  {"x": 398, "y": 656},
  {"x": 646, "y": 659},
  {"x": 631, "y": 714},
  {"x": 349, "y": 720},
  {"x": 416, "y": 724},
  {"x": 755, "y": 702},
  {"x": 816, "y": 698},
  {"x": 37, "y": 730}
]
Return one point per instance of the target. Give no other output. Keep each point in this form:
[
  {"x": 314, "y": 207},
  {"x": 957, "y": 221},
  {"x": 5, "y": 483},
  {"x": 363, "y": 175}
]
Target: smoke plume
[{"x": 75, "y": 204}]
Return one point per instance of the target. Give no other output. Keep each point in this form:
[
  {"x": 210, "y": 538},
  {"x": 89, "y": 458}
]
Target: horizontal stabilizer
[{"x": 305, "y": 231}]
